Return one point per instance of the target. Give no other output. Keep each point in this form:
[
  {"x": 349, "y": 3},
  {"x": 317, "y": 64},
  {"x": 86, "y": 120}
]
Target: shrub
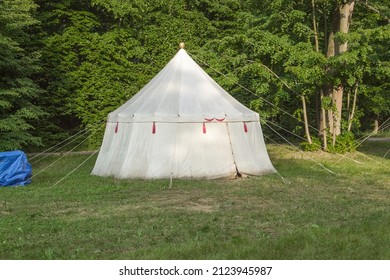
[
  {"x": 344, "y": 143},
  {"x": 314, "y": 146}
]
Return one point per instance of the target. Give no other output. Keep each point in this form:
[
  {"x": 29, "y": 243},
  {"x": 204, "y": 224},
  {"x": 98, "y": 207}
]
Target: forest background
[{"x": 317, "y": 68}]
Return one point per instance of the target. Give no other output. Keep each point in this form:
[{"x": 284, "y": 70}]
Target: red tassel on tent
[
  {"x": 116, "y": 128},
  {"x": 204, "y": 128},
  {"x": 154, "y": 128},
  {"x": 245, "y": 127}
]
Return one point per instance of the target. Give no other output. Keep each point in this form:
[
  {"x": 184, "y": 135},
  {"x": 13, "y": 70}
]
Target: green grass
[{"x": 318, "y": 215}]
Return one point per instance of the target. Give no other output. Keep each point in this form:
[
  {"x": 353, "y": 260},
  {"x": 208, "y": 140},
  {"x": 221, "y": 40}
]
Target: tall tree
[
  {"x": 337, "y": 45},
  {"x": 19, "y": 62}
]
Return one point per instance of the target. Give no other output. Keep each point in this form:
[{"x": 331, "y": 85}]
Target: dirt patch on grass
[{"x": 203, "y": 205}]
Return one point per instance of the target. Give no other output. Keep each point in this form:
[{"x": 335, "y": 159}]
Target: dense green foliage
[
  {"x": 318, "y": 215},
  {"x": 19, "y": 62},
  {"x": 95, "y": 54}
]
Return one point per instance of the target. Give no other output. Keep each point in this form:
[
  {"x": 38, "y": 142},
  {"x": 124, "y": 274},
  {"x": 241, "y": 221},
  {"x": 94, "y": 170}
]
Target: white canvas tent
[{"x": 182, "y": 124}]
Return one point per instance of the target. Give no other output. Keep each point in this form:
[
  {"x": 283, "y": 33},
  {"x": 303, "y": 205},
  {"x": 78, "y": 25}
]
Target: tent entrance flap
[{"x": 231, "y": 148}]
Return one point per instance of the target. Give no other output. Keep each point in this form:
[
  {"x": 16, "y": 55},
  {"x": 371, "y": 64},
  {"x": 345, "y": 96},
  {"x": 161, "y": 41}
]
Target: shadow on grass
[{"x": 376, "y": 148}]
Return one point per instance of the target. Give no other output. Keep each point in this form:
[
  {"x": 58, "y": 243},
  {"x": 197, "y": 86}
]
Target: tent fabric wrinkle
[
  {"x": 179, "y": 99},
  {"x": 15, "y": 170}
]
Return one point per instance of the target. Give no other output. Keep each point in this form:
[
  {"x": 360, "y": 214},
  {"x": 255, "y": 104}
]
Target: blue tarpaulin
[{"x": 14, "y": 169}]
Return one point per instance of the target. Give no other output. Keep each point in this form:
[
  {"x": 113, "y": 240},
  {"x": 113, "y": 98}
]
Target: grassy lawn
[{"x": 318, "y": 215}]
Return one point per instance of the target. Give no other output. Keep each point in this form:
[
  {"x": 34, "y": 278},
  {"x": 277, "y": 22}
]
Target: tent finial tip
[{"x": 182, "y": 45}]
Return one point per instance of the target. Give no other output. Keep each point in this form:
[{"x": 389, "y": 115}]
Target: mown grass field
[{"x": 318, "y": 215}]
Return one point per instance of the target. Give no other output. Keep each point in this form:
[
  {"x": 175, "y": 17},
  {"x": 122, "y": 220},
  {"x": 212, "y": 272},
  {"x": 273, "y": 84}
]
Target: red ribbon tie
[{"x": 245, "y": 127}]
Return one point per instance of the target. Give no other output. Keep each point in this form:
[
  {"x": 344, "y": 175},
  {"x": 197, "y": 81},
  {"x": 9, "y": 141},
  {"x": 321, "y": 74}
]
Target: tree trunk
[
  {"x": 330, "y": 52},
  {"x": 376, "y": 126},
  {"x": 306, "y": 120},
  {"x": 345, "y": 21},
  {"x": 317, "y": 46},
  {"x": 341, "y": 22},
  {"x": 323, "y": 127},
  {"x": 352, "y": 114},
  {"x": 320, "y": 111},
  {"x": 337, "y": 98}
]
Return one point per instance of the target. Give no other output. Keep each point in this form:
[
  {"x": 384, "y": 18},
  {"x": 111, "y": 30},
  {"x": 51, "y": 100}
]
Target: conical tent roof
[
  {"x": 182, "y": 92},
  {"x": 182, "y": 124}
]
